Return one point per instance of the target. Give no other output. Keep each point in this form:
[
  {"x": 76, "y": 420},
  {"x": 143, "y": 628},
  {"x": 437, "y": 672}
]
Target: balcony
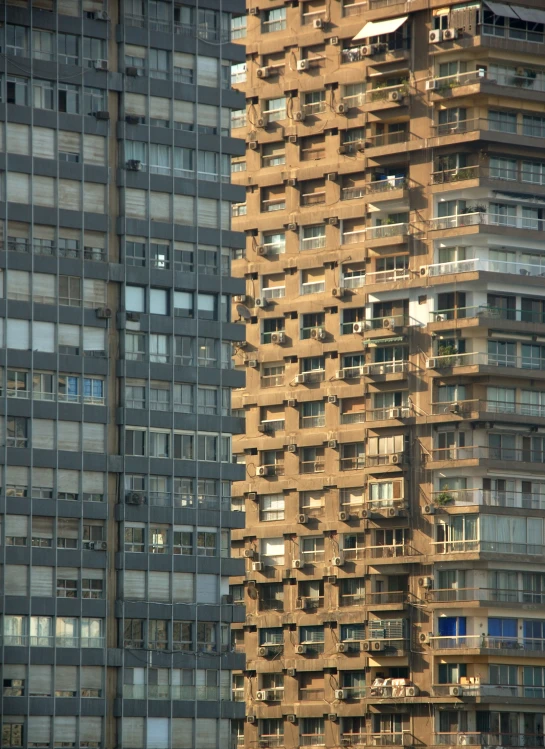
[
  {"x": 387, "y": 323},
  {"x": 449, "y": 83},
  {"x": 391, "y": 412},
  {"x": 353, "y": 418},
  {"x": 387, "y": 276},
  {"x": 386, "y": 598},
  {"x": 393, "y": 138},
  {"x": 488, "y": 739},
  {"x": 314, "y": 376},
  {"x": 315, "y": 287},
  {"x": 480, "y": 264},
  {"x": 484, "y": 359},
  {"x": 387, "y": 185},
  {"x": 272, "y": 425},
  {"x": 465, "y": 408},
  {"x": 451, "y": 176},
  {"x": 468, "y": 546},
  {"x": 488, "y": 312},
  {"x": 386, "y": 368},
  {"x": 269, "y": 740},
  {"x": 517, "y": 645},
  {"x": 312, "y": 739},
  {"x": 489, "y": 595},
  {"x": 313, "y": 198},
  {"x": 462, "y": 127},
  {"x": 353, "y": 237},
  {"x": 372, "y": 739},
  {"x": 483, "y": 452},
  {"x": 386, "y": 231},
  {"x": 488, "y": 498},
  {"x": 392, "y": 551},
  {"x": 377, "y": 98},
  {"x": 352, "y": 193}
]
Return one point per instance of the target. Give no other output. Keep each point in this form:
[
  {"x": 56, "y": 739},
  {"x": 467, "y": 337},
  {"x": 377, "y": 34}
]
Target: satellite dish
[
  {"x": 252, "y": 592},
  {"x": 243, "y": 312}
]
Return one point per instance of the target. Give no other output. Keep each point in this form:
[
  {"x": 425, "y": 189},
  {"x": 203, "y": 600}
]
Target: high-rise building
[
  {"x": 116, "y": 373},
  {"x": 395, "y": 360}
]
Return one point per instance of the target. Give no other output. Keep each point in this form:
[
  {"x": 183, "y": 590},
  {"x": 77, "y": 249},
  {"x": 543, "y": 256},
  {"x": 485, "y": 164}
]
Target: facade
[
  {"x": 116, "y": 384},
  {"x": 395, "y": 359}
]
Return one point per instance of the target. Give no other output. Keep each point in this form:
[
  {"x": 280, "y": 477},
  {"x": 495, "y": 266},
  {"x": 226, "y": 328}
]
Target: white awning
[
  {"x": 529, "y": 14},
  {"x": 501, "y": 9},
  {"x": 378, "y": 28}
]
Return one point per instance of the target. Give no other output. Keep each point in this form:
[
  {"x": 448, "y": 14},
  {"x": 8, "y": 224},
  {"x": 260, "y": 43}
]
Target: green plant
[{"x": 444, "y": 498}]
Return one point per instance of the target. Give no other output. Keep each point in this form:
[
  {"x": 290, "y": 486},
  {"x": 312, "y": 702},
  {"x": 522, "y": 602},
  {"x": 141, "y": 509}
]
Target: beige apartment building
[{"x": 395, "y": 374}]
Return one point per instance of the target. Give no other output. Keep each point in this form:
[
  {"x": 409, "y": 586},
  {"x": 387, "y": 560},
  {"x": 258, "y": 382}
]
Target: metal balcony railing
[
  {"x": 384, "y": 93},
  {"x": 388, "y": 367},
  {"x": 483, "y": 218},
  {"x": 352, "y": 193},
  {"x": 446, "y": 595},
  {"x": 486, "y": 642},
  {"x": 387, "y": 276},
  {"x": 498, "y": 407},
  {"x": 483, "y": 358},
  {"x": 481, "y": 264},
  {"x": 465, "y": 738},
  {"x": 387, "y": 184},
  {"x": 488, "y": 312},
  {"x": 312, "y": 739},
  {"x": 483, "y": 452},
  {"x": 467, "y": 546},
  {"x": 393, "y": 551},
  {"x": 387, "y": 230},
  {"x": 491, "y": 498},
  {"x": 392, "y": 138},
  {"x": 386, "y": 597}
]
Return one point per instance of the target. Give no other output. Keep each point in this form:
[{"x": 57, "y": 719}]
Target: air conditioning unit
[
  {"x": 240, "y": 298},
  {"x": 264, "y": 427},
  {"x": 262, "y": 470},
  {"x": 455, "y": 691},
  {"x": 340, "y": 694},
  {"x": 104, "y": 313},
  {"x": 98, "y": 546},
  {"x": 250, "y": 718},
  {"x": 132, "y": 71},
  {"x": 394, "y": 413},
  {"x": 332, "y": 399},
  {"x": 338, "y": 291},
  {"x": 392, "y": 512},
  {"x": 264, "y": 652},
  {"x": 332, "y": 716},
  {"x": 261, "y": 301},
  {"x": 365, "y": 370},
  {"x": 366, "y": 514},
  {"x": 395, "y": 458},
  {"x": 252, "y": 363},
  {"x": 253, "y": 11},
  {"x": 331, "y": 177},
  {"x": 135, "y": 498},
  {"x": 412, "y": 691},
  {"x": 344, "y": 516},
  {"x": 318, "y": 333},
  {"x": 332, "y": 579},
  {"x": 431, "y": 85},
  {"x": 100, "y": 64},
  {"x": 376, "y": 646},
  {"x": 428, "y": 510},
  {"x": 134, "y": 165},
  {"x": 261, "y": 249},
  {"x": 257, "y": 566},
  {"x": 292, "y": 226},
  {"x": 395, "y": 96},
  {"x": 424, "y": 638},
  {"x": 338, "y": 561},
  {"x": 435, "y": 36},
  {"x": 252, "y": 145},
  {"x": 454, "y": 408},
  {"x": 297, "y": 564},
  {"x": 341, "y": 108},
  {"x": 318, "y": 23},
  {"x": 291, "y": 402},
  {"x": 431, "y": 363},
  {"x": 440, "y": 318},
  {"x": 264, "y": 72},
  {"x": 261, "y": 695},
  {"x": 340, "y": 647},
  {"x": 291, "y": 448},
  {"x": 278, "y": 338},
  {"x": 299, "y": 116},
  {"x": 342, "y": 148},
  {"x": 252, "y": 496},
  {"x": 299, "y": 603},
  {"x": 303, "y": 65},
  {"x": 291, "y": 672},
  {"x": 333, "y": 444},
  {"x": 300, "y": 649},
  {"x": 369, "y": 49},
  {"x": 291, "y": 717},
  {"x": 101, "y": 15},
  {"x": 262, "y": 122},
  {"x": 425, "y": 582},
  {"x": 340, "y": 374},
  {"x": 358, "y": 327},
  {"x": 334, "y": 40},
  {"x": 249, "y": 553},
  {"x": 302, "y": 518},
  {"x": 388, "y": 322},
  {"x": 450, "y": 34},
  {"x": 300, "y": 379}
]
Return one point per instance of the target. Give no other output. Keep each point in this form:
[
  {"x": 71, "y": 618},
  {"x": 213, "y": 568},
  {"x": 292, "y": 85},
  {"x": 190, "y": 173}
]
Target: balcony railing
[
  {"x": 387, "y": 367},
  {"x": 446, "y": 595},
  {"x": 483, "y": 358},
  {"x": 390, "y": 412},
  {"x": 387, "y": 184},
  {"x": 387, "y": 321},
  {"x": 386, "y": 597},
  {"x": 387, "y": 230},
  {"x": 353, "y": 237},
  {"x": 488, "y": 739},
  {"x": 467, "y": 546},
  {"x": 372, "y": 739},
  {"x": 313, "y": 243},
  {"x": 447, "y": 176},
  {"x": 488, "y": 312},
  {"x": 482, "y": 218},
  {"x": 487, "y": 642},
  {"x": 448, "y": 82},
  {"x": 271, "y": 740},
  {"x": 392, "y": 551},
  {"x": 313, "y": 198},
  {"x": 493, "y": 498},
  {"x": 352, "y": 193},
  {"x": 392, "y": 138},
  {"x": 315, "y": 107},
  {"x": 498, "y": 407},
  {"x": 387, "y": 276},
  {"x": 314, "y": 287},
  {"x": 483, "y": 452},
  {"x": 312, "y": 739},
  {"x": 384, "y": 93},
  {"x": 480, "y": 264},
  {"x": 353, "y": 418}
]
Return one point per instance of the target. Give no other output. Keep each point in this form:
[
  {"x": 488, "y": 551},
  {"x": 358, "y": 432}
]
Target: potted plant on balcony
[
  {"x": 443, "y": 498},
  {"x": 449, "y": 350}
]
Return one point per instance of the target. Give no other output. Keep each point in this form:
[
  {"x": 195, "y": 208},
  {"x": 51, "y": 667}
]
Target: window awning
[
  {"x": 380, "y": 341},
  {"x": 529, "y": 14},
  {"x": 501, "y": 9},
  {"x": 378, "y": 28}
]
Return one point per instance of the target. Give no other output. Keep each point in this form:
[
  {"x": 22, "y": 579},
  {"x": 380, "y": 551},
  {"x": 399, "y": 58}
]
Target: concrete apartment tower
[
  {"x": 395, "y": 363},
  {"x": 116, "y": 385}
]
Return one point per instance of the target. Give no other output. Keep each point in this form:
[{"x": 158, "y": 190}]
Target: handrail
[
  {"x": 484, "y": 452},
  {"x": 483, "y": 358},
  {"x": 488, "y": 642},
  {"x": 506, "y": 595},
  {"x": 497, "y": 407},
  {"x": 496, "y": 547},
  {"x": 487, "y": 219},
  {"x": 488, "y": 311},
  {"x": 387, "y": 230},
  {"x": 491, "y": 498},
  {"x": 482, "y": 264},
  {"x": 465, "y": 738}
]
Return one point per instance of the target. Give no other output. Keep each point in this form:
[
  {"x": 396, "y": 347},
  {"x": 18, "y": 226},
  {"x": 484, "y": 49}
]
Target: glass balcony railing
[
  {"x": 484, "y": 359},
  {"x": 519, "y": 644},
  {"x": 448, "y": 595},
  {"x": 468, "y": 738}
]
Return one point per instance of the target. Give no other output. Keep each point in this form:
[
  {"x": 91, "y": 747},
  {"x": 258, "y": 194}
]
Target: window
[
  {"x": 135, "y": 442},
  {"x": 238, "y": 118},
  {"x": 12, "y": 731},
  {"x": 207, "y": 307},
  {"x": 43, "y": 45},
  {"x": 207, "y": 356},
  {"x": 68, "y": 49},
  {"x": 238, "y": 27},
  {"x": 271, "y": 507},
  {"x": 272, "y": 551},
  {"x": 184, "y": 350},
  {"x": 17, "y": 91},
  {"x": 70, "y": 291},
  {"x": 43, "y": 94},
  {"x": 158, "y": 634},
  {"x": 352, "y": 456},
  {"x": 159, "y": 348},
  {"x": 159, "y": 444},
  {"x": 238, "y": 73},
  {"x": 135, "y": 346},
  {"x": 312, "y": 414},
  {"x": 16, "y": 431},
  {"x": 352, "y": 592},
  {"x": 182, "y": 635},
  {"x": 312, "y": 548},
  {"x": 207, "y": 543},
  {"x": 93, "y": 49},
  {"x": 16, "y": 40},
  {"x": 134, "y": 539},
  {"x": 506, "y": 122},
  {"x": 312, "y": 237},
  {"x": 312, "y": 460},
  {"x": 68, "y": 96},
  {"x": 274, "y": 243},
  {"x": 275, "y": 109},
  {"x": 273, "y": 20},
  {"x": 158, "y": 64},
  {"x": 94, "y": 100}
]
